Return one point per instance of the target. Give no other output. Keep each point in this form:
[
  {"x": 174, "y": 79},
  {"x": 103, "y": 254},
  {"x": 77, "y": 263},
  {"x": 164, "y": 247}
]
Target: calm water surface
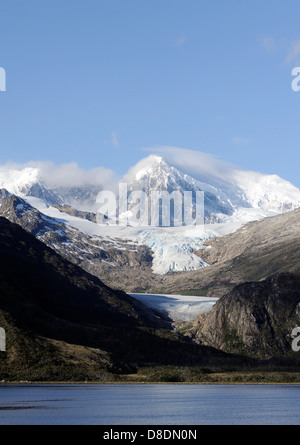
[{"x": 149, "y": 405}]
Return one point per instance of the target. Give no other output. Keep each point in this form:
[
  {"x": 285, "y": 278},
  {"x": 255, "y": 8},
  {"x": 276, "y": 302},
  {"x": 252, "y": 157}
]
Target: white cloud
[
  {"x": 268, "y": 43},
  {"x": 294, "y": 52},
  {"x": 201, "y": 166},
  {"x": 289, "y": 49},
  {"x": 114, "y": 139},
  {"x": 65, "y": 175},
  {"x": 237, "y": 140},
  {"x": 181, "y": 41}
]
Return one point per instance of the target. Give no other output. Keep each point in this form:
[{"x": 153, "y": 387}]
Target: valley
[{"x": 98, "y": 301}]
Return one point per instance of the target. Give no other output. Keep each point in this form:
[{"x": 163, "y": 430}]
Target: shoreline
[
  {"x": 167, "y": 377},
  {"x": 149, "y": 383}
]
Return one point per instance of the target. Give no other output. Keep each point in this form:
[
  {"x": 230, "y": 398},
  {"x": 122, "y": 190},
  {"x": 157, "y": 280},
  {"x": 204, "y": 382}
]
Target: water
[{"x": 149, "y": 404}]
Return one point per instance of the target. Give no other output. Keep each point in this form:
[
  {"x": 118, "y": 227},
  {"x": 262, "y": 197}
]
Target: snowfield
[
  {"x": 173, "y": 247},
  {"x": 177, "y": 307}
]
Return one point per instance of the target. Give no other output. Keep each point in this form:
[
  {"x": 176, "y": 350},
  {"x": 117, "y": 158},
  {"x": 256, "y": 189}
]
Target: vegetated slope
[
  {"x": 254, "y": 252},
  {"x": 255, "y": 318},
  {"x": 62, "y": 323}
]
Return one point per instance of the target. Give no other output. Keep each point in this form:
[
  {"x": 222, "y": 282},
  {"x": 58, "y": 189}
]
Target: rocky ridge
[
  {"x": 255, "y": 319},
  {"x": 118, "y": 262},
  {"x": 255, "y": 251}
]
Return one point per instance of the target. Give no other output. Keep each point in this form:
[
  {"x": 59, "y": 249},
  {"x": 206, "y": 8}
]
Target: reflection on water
[{"x": 149, "y": 404}]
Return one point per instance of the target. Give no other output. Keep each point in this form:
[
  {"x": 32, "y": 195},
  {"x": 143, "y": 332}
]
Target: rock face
[
  {"x": 89, "y": 216},
  {"x": 256, "y": 251},
  {"x": 254, "y": 319},
  {"x": 119, "y": 263},
  {"x": 271, "y": 237}
]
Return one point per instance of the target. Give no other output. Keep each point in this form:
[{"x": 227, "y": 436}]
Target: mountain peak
[
  {"x": 150, "y": 165},
  {"x": 18, "y": 181},
  {"x": 232, "y": 196},
  {"x": 156, "y": 158}
]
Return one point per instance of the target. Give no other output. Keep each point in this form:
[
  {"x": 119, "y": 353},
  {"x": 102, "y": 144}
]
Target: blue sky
[{"x": 98, "y": 81}]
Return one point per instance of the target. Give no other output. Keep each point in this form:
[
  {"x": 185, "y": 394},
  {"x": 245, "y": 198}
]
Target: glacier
[
  {"x": 177, "y": 307},
  {"x": 231, "y": 201}
]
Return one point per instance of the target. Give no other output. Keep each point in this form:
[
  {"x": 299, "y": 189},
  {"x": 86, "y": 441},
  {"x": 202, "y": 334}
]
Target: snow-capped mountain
[
  {"x": 240, "y": 196},
  {"x": 30, "y": 181},
  {"x": 230, "y": 200},
  {"x": 154, "y": 174},
  {"x": 98, "y": 254}
]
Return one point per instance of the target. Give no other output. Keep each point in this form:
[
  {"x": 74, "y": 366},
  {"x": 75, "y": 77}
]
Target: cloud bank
[
  {"x": 65, "y": 175},
  {"x": 201, "y": 166},
  {"x": 294, "y": 52}
]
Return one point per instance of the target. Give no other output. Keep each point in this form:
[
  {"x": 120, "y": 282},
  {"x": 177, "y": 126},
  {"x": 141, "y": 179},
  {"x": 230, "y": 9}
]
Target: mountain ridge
[
  {"x": 62, "y": 322},
  {"x": 254, "y": 319},
  {"x": 164, "y": 250},
  {"x": 238, "y": 195},
  {"x": 252, "y": 253},
  {"x": 97, "y": 255}
]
